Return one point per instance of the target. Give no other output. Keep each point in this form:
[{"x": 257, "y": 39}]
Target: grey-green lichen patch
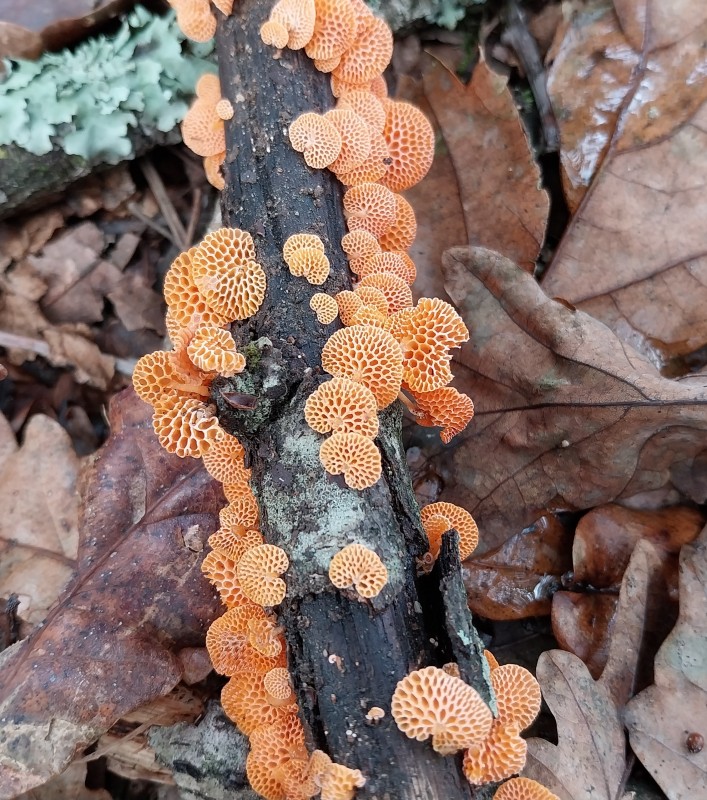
[
  {"x": 400, "y": 13},
  {"x": 86, "y": 100}
]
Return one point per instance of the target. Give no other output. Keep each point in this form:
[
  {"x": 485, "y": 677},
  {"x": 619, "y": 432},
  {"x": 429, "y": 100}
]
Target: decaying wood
[{"x": 345, "y": 655}]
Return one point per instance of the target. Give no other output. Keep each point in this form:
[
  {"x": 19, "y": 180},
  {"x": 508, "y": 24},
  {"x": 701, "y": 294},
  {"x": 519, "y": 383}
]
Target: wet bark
[{"x": 345, "y": 655}]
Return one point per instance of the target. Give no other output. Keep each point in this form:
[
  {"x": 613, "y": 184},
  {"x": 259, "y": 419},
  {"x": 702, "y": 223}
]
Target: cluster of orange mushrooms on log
[{"x": 387, "y": 349}]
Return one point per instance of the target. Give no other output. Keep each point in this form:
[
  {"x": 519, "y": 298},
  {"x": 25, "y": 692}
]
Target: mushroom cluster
[{"x": 377, "y": 147}]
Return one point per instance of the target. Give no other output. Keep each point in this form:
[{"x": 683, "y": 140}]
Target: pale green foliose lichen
[
  {"x": 400, "y": 13},
  {"x": 86, "y": 100}
]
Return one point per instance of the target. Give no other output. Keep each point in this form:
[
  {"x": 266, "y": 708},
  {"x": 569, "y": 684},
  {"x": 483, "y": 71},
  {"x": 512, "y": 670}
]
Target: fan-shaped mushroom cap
[
  {"x": 370, "y": 296},
  {"x": 501, "y": 754},
  {"x": 369, "y": 55},
  {"x": 195, "y": 19},
  {"x": 428, "y": 702},
  {"x": 355, "y": 139},
  {"x": 395, "y": 263},
  {"x": 224, "y": 109},
  {"x": 518, "y": 695},
  {"x": 367, "y": 355},
  {"x": 379, "y": 87},
  {"x": 334, "y": 29},
  {"x": 523, "y": 789},
  {"x": 357, "y": 566},
  {"x": 258, "y": 574},
  {"x": 369, "y": 207},
  {"x": 241, "y": 511},
  {"x": 340, "y": 782},
  {"x": 447, "y": 408},
  {"x": 358, "y": 245},
  {"x": 491, "y": 658},
  {"x": 229, "y": 283},
  {"x": 353, "y": 455},
  {"x": 298, "y": 241},
  {"x": 317, "y": 138},
  {"x": 224, "y": 6},
  {"x": 364, "y": 301},
  {"x": 459, "y": 519},
  {"x": 203, "y": 131},
  {"x": 342, "y": 406},
  {"x": 231, "y": 543},
  {"x": 325, "y": 307},
  {"x": 425, "y": 333},
  {"x": 265, "y": 637},
  {"x": 184, "y": 300},
  {"x": 367, "y": 106},
  {"x": 185, "y": 426},
  {"x": 394, "y": 289},
  {"x": 224, "y": 462},
  {"x": 310, "y": 263},
  {"x": 227, "y": 637},
  {"x": 411, "y": 143},
  {"x": 221, "y": 571},
  {"x": 212, "y": 349},
  {"x": 298, "y": 18},
  {"x": 158, "y": 377},
  {"x": 245, "y": 701},
  {"x": 277, "y": 751},
  {"x": 212, "y": 168},
  {"x": 402, "y": 234},
  {"x": 208, "y": 88},
  {"x": 367, "y": 315},
  {"x": 278, "y": 685},
  {"x": 327, "y": 64},
  {"x": 373, "y": 168},
  {"x": 348, "y": 304},
  {"x": 236, "y": 491},
  {"x": 319, "y": 762},
  {"x": 274, "y": 33}
]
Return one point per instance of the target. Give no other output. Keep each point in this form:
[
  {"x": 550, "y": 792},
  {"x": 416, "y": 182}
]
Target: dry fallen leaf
[
  {"x": 505, "y": 206},
  {"x": 589, "y": 759},
  {"x": 629, "y": 89},
  {"x": 567, "y": 417},
  {"x": 39, "y": 523},
  {"x": 110, "y": 643},
  {"x": 661, "y": 718}
]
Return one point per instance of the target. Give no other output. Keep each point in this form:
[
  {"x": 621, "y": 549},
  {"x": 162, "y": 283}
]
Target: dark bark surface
[{"x": 345, "y": 655}]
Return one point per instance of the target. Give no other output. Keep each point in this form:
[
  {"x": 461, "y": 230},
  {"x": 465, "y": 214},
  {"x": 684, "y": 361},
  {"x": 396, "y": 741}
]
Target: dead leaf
[
  {"x": 589, "y": 759},
  {"x": 633, "y": 114},
  {"x": 518, "y": 579},
  {"x": 70, "y": 785},
  {"x": 571, "y": 416},
  {"x": 505, "y": 206},
  {"x": 137, "y": 599},
  {"x": 661, "y": 718},
  {"x": 39, "y": 523},
  {"x": 136, "y": 304}
]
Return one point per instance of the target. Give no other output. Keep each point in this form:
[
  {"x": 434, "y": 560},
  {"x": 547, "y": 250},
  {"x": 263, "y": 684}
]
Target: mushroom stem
[
  {"x": 409, "y": 404},
  {"x": 193, "y": 388}
]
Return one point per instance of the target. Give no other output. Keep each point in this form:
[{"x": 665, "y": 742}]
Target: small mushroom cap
[
  {"x": 224, "y": 6},
  {"x": 203, "y": 131},
  {"x": 365, "y": 302},
  {"x": 221, "y": 571},
  {"x": 298, "y": 241},
  {"x": 325, "y": 307},
  {"x": 369, "y": 55},
  {"x": 277, "y": 750},
  {"x": 319, "y": 762},
  {"x": 369, "y": 207},
  {"x": 195, "y": 19},
  {"x": 395, "y": 263},
  {"x": 230, "y": 543},
  {"x": 518, "y": 695},
  {"x": 523, "y": 789},
  {"x": 310, "y": 263},
  {"x": 360, "y": 567},
  {"x": 367, "y": 355},
  {"x": 375, "y": 713},
  {"x": 353, "y": 455},
  {"x": 428, "y": 702},
  {"x": 456, "y": 517},
  {"x": 373, "y": 168},
  {"x": 501, "y": 754},
  {"x": 358, "y": 245},
  {"x": 245, "y": 701},
  {"x": 258, "y": 574},
  {"x": 274, "y": 33},
  {"x": 447, "y": 408},
  {"x": 327, "y": 64},
  {"x": 236, "y": 290},
  {"x": 241, "y": 511},
  {"x": 411, "y": 143},
  {"x": 340, "y": 782},
  {"x": 186, "y": 427},
  {"x": 370, "y": 296},
  {"x": 184, "y": 300},
  {"x": 212, "y": 349},
  {"x": 278, "y": 685},
  {"x": 348, "y": 304},
  {"x": 208, "y": 88},
  {"x": 227, "y": 637},
  {"x": 395, "y": 290},
  {"x": 342, "y": 406},
  {"x": 334, "y": 29},
  {"x": 402, "y": 234},
  {"x": 224, "y": 462},
  {"x": 317, "y": 138},
  {"x": 298, "y": 17},
  {"x": 355, "y": 139},
  {"x": 367, "y": 106},
  {"x": 224, "y": 109},
  {"x": 212, "y": 168}
]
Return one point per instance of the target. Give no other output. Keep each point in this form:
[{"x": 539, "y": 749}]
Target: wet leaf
[
  {"x": 110, "y": 644},
  {"x": 517, "y": 579},
  {"x": 661, "y": 718},
  {"x": 633, "y": 116},
  {"x": 499, "y": 182},
  {"x": 567, "y": 417}
]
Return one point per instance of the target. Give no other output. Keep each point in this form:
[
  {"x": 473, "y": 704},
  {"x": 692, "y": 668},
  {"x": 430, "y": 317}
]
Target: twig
[
  {"x": 193, "y": 216},
  {"x": 136, "y": 211},
  {"x": 169, "y": 212}
]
